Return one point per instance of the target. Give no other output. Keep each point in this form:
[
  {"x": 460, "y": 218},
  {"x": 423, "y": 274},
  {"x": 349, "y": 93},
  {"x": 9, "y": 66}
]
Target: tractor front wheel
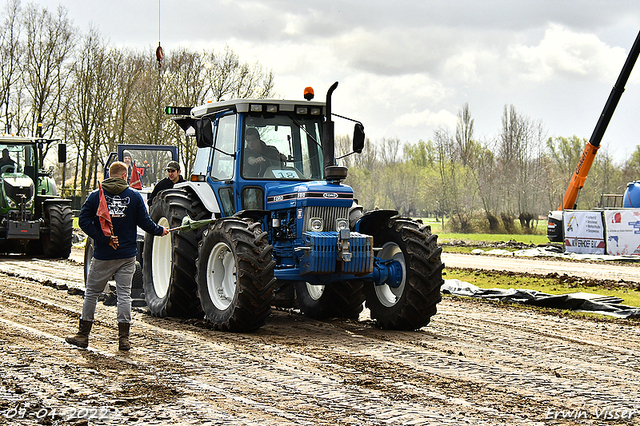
[
  {"x": 412, "y": 304},
  {"x": 235, "y": 275}
]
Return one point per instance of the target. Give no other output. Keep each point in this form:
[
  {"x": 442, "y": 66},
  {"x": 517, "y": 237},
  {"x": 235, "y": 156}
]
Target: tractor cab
[{"x": 256, "y": 147}]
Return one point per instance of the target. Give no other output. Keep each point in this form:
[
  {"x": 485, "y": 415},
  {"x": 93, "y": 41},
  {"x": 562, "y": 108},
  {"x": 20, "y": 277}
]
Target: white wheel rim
[
  {"x": 389, "y": 296},
  {"x": 161, "y": 261},
  {"x": 221, "y": 276},
  {"x": 315, "y": 291}
]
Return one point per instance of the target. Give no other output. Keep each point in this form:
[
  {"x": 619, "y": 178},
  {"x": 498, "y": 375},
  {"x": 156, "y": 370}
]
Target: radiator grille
[{"x": 328, "y": 214}]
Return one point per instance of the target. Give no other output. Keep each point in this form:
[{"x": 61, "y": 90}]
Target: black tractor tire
[
  {"x": 137, "y": 280},
  {"x": 57, "y": 243},
  {"x": 413, "y": 303},
  {"x": 342, "y": 299},
  {"x": 235, "y": 275},
  {"x": 169, "y": 262}
]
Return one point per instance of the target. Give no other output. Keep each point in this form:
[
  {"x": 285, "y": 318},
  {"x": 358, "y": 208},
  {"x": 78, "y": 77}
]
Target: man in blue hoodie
[{"x": 113, "y": 256}]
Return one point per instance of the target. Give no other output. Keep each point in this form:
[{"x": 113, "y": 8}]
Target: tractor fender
[
  {"x": 55, "y": 200},
  {"x": 373, "y": 220},
  {"x": 205, "y": 194}
]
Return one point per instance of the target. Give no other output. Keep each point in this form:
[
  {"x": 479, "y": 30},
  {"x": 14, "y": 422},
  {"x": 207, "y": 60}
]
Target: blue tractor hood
[{"x": 316, "y": 193}]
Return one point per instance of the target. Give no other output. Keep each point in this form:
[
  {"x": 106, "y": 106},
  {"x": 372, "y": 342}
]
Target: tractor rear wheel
[
  {"x": 169, "y": 265},
  {"x": 235, "y": 275},
  {"x": 412, "y": 304},
  {"x": 342, "y": 299},
  {"x": 57, "y": 243}
]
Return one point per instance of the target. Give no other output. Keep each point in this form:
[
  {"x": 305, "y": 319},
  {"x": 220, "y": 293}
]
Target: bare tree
[
  {"x": 126, "y": 92},
  {"x": 185, "y": 86},
  {"x": 91, "y": 105},
  {"x": 464, "y": 135},
  {"x": 389, "y": 151},
  {"x": 227, "y": 76},
  {"x": 10, "y": 55},
  {"x": 520, "y": 153},
  {"x": 49, "y": 48}
]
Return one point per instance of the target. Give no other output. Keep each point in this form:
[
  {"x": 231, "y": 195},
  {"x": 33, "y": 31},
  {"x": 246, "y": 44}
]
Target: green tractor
[{"x": 33, "y": 218}]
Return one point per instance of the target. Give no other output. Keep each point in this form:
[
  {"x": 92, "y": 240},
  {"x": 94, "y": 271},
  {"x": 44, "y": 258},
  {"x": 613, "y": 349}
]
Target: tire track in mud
[
  {"x": 474, "y": 363},
  {"x": 262, "y": 376}
]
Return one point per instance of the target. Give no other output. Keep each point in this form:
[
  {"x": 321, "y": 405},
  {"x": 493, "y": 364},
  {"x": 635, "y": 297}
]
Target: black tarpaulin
[{"x": 587, "y": 302}]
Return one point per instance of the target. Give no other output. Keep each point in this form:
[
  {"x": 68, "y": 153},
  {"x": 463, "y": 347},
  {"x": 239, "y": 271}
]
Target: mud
[{"x": 475, "y": 363}]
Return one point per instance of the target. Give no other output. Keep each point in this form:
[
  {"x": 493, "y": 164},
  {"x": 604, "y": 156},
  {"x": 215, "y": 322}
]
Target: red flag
[
  {"x": 135, "y": 178},
  {"x": 103, "y": 214}
]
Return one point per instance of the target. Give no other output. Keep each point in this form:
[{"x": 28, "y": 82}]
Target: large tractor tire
[
  {"x": 57, "y": 243},
  {"x": 235, "y": 275},
  {"x": 343, "y": 299},
  {"x": 169, "y": 262},
  {"x": 412, "y": 304}
]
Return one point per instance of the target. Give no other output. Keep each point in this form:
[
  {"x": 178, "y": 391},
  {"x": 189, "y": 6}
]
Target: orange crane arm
[
  {"x": 589, "y": 153},
  {"x": 579, "y": 176}
]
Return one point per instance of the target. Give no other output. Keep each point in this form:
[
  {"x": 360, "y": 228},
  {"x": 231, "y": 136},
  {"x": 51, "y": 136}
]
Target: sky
[{"x": 406, "y": 68}]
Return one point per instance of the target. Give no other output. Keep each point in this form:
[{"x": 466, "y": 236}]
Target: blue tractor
[{"x": 286, "y": 231}]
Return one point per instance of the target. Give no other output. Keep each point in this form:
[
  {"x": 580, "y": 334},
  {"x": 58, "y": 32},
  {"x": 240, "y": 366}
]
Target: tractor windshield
[
  {"x": 282, "y": 148},
  {"x": 17, "y": 159}
]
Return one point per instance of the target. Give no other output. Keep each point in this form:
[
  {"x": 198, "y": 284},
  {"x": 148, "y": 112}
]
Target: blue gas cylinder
[{"x": 632, "y": 195}]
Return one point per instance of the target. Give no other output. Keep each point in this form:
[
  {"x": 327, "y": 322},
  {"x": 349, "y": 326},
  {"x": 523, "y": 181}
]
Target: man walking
[
  {"x": 114, "y": 254},
  {"x": 173, "y": 177}
]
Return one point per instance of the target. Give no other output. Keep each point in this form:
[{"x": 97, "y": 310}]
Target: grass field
[
  {"x": 540, "y": 236},
  {"x": 521, "y": 238}
]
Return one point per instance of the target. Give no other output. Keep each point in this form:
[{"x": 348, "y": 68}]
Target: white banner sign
[
  {"x": 623, "y": 232},
  {"x": 583, "y": 232}
]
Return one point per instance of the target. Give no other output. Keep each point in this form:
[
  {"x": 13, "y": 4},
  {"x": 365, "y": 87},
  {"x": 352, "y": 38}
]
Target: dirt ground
[{"x": 476, "y": 363}]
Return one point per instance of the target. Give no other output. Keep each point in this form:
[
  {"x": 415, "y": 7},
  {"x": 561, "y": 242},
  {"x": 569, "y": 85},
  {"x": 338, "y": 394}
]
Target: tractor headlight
[
  {"x": 11, "y": 203},
  {"x": 341, "y": 224},
  {"x": 29, "y": 204},
  {"x": 316, "y": 224}
]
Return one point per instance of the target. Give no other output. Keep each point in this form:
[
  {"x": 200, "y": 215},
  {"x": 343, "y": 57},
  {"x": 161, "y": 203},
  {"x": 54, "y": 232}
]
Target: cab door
[{"x": 222, "y": 166}]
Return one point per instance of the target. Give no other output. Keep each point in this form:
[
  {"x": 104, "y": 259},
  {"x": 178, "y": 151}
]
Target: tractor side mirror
[
  {"x": 62, "y": 153},
  {"x": 358, "y": 138},
  {"x": 204, "y": 133}
]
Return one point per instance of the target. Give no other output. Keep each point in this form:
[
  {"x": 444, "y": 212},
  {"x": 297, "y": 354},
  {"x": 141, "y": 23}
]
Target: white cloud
[
  {"x": 567, "y": 54},
  {"x": 428, "y": 118}
]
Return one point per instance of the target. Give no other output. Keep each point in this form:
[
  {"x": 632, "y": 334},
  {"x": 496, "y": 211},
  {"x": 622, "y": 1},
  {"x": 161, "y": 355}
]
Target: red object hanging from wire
[{"x": 159, "y": 55}]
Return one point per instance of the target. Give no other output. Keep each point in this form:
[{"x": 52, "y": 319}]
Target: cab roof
[
  {"x": 257, "y": 105},
  {"x": 16, "y": 140}
]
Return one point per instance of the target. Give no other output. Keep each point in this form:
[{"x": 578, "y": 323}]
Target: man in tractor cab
[
  {"x": 258, "y": 156},
  {"x": 6, "y": 161}
]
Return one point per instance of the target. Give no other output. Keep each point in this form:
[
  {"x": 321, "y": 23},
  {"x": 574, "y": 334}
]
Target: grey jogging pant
[{"x": 101, "y": 271}]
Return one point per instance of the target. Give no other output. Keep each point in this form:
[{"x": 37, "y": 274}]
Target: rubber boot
[
  {"x": 82, "y": 338},
  {"x": 123, "y": 336}
]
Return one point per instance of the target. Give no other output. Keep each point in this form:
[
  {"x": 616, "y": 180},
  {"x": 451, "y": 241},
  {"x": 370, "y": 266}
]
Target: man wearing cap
[{"x": 174, "y": 176}]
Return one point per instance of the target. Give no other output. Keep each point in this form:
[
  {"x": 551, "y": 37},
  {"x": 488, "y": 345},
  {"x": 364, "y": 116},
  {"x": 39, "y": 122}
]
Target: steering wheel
[{"x": 7, "y": 168}]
